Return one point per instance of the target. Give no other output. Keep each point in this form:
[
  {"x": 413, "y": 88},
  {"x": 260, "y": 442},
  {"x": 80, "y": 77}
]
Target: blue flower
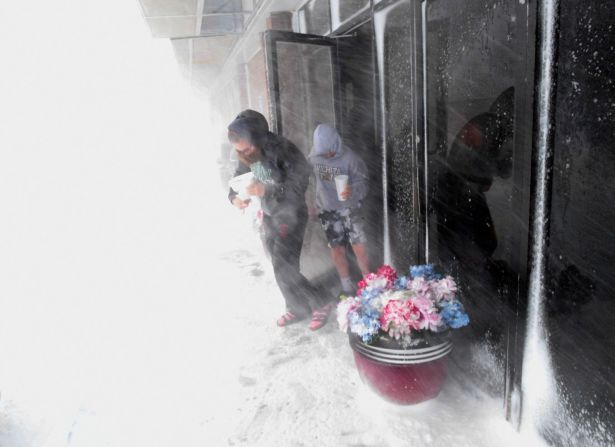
[
  {"x": 453, "y": 314},
  {"x": 401, "y": 283},
  {"x": 369, "y": 293},
  {"x": 426, "y": 271},
  {"x": 364, "y": 321}
]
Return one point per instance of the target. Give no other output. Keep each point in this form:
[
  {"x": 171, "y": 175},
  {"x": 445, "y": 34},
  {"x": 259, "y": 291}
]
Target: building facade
[{"x": 488, "y": 129}]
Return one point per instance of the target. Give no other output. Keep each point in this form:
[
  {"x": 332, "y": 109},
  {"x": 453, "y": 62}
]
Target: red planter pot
[{"x": 402, "y": 375}]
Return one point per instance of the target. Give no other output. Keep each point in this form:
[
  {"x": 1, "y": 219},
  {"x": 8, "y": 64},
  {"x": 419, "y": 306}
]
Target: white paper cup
[
  {"x": 240, "y": 183},
  {"x": 341, "y": 181}
]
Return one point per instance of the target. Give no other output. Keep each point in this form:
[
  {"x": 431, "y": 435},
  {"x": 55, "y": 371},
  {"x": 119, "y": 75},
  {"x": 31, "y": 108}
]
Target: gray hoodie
[{"x": 345, "y": 161}]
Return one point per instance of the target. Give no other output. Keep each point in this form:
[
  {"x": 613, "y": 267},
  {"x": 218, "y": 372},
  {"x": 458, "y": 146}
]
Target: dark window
[
  {"x": 479, "y": 99},
  {"x": 581, "y": 286}
]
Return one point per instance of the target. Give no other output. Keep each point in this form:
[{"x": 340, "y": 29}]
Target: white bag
[{"x": 240, "y": 183}]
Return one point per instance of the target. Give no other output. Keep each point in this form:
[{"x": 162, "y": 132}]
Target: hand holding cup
[
  {"x": 346, "y": 193},
  {"x": 343, "y": 187}
]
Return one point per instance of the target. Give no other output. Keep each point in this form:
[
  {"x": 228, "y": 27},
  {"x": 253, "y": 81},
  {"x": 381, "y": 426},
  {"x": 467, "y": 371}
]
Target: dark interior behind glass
[
  {"x": 581, "y": 256},
  {"x": 479, "y": 99}
]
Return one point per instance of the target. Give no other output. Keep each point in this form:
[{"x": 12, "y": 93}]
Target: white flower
[
  {"x": 400, "y": 295},
  {"x": 342, "y": 312},
  {"x": 376, "y": 284}
]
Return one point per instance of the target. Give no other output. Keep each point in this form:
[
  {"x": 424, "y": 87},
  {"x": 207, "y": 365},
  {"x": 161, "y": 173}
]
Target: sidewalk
[
  {"x": 210, "y": 368},
  {"x": 300, "y": 388}
]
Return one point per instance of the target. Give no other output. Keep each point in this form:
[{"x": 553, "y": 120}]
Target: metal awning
[
  {"x": 195, "y": 18},
  {"x": 206, "y": 33}
]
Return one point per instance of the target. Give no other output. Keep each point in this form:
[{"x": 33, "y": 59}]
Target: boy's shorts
[{"x": 343, "y": 226}]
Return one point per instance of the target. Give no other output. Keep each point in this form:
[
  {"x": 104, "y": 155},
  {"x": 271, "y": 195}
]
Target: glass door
[
  {"x": 303, "y": 84},
  {"x": 478, "y": 99}
]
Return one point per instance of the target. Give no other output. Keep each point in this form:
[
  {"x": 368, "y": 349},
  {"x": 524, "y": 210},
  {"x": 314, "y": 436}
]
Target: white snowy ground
[
  {"x": 136, "y": 308},
  {"x": 180, "y": 348},
  {"x": 185, "y": 352}
]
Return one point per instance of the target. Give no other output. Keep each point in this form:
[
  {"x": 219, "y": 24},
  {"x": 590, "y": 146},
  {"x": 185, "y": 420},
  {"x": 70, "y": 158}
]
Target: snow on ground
[
  {"x": 300, "y": 388},
  {"x": 136, "y": 306},
  {"x": 209, "y": 367}
]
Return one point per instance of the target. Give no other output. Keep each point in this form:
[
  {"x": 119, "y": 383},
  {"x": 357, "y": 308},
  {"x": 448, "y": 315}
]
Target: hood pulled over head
[
  {"x": 257, "y": 119},
  {"x": 245, "y": 128},
  {"x": 326, "y": 139}
]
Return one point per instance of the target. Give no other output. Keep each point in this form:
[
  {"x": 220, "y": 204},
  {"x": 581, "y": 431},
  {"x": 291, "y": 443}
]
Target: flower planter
[
  {"x": 400, "y": 328},
  {"x": 402, "y": 375}
]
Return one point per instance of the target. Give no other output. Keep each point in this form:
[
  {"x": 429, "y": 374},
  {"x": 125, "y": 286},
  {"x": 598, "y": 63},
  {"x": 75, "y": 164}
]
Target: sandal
[
  {"x": 319, "y": 317},
  {"x": 343, "y": 295},
  {"x": 288, "y": 318}
]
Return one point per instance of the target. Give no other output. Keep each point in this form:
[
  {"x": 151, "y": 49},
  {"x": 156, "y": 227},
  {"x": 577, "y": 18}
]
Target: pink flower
[
  {"x": 374, "y": 281},
  {"x": 399, "y": 318},
  {"x": 445, "y": 288},
  {"x": 365, "y": 282},
  {"x": 421, "y": 287},
  {"x": 386, "y": 271},
  {"x": 423, "y": 304},
  {"x": 432, "y": 320}
]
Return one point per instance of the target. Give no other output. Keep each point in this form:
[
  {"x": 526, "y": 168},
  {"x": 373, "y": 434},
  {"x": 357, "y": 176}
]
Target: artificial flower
[
  {"x": 343, "y": 308},
  {"x": 453, "y": 314},
  {"x": 387, "y": 272},
  {"x": 445, "y": 288},
  {"x": 402, "y": 307},
  {"x": 426, "y": 271}
]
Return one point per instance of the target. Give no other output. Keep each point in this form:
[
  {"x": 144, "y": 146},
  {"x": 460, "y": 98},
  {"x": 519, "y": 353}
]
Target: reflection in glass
[
  {"x": 478, "y": 155},
  {"x": 479, "y": 128}
]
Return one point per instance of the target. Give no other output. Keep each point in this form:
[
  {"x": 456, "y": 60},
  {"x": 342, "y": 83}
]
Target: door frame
[{"x": 271, "y": 38}]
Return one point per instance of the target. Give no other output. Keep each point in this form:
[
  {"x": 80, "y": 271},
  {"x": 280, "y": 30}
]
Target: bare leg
[
  {"x": 338, "y": 254},
  {"x": 361, "y": 255}
]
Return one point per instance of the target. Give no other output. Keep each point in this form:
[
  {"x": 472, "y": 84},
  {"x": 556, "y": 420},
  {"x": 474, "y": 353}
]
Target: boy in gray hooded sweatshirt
[{"x": 341, "y": 220}]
